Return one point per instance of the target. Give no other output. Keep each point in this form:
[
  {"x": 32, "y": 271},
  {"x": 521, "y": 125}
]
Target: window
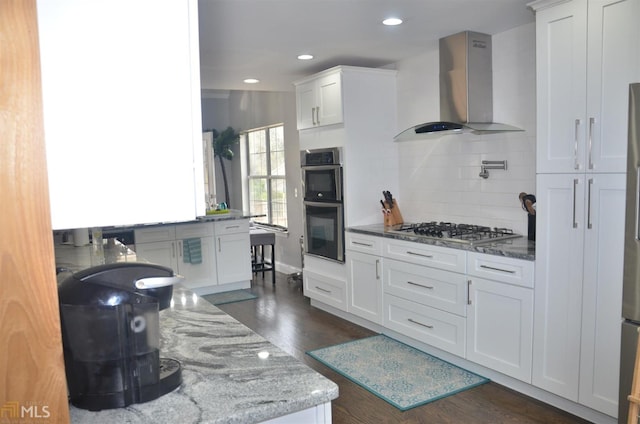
[{"x": 267, "y": 190}]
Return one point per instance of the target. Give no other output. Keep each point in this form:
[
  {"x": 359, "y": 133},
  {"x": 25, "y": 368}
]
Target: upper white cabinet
[
  {"x": 121, "y": 96},
  {"x": 588, "y": 51},
  {"x": 319, "y": 100}
]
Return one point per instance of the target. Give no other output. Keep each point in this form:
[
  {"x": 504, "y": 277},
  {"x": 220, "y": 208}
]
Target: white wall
[{"x": 439, "y": 178}]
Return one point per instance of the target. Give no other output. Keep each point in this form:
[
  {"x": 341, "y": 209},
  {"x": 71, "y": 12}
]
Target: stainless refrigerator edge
[{"x": 631, "y": 274}]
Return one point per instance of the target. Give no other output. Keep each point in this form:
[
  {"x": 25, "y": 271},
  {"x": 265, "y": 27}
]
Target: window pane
[
  {"x": 258, "y": 199},
  {"x": 279, "y": 202},
  {"x": 257, "y": 153},
  {"x": 276, "y": 145}
]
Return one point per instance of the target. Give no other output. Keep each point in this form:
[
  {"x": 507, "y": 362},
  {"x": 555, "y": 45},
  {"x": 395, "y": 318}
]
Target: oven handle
[{"x": 323, "y": 204}]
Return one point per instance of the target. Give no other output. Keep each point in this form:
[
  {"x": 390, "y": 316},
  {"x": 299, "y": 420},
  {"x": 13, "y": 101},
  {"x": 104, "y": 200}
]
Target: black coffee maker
[{"x": 111, "y": 335}]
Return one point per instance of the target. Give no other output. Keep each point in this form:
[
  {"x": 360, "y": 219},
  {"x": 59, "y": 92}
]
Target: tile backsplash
[{"x": 439, "y": 178}]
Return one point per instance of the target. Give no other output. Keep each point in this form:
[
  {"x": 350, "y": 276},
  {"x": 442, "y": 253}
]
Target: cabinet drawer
[
  {"x": 325, "y": 289},
  {"x": 431, "y": 326},
  {"x": 231, "y": 226},
  {"x": 500, "y": 268},
  {"x": 152, "y": 234},
  {"x": 432, "y": 287},
  {"x": 184, "y": 231},
  {"x": 425, "y": 254},
  {"x": 364, "y": 243}
]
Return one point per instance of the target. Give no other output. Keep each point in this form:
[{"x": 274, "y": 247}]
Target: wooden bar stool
[{"x": 259, "y": 239}]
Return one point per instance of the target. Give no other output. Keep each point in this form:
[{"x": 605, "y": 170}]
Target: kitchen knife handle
[
  {"x": 589, "y": 226},
  {"x": 576, "y": 165},
  {"x": 575, "y": 189},
  {"x": 590, "y": 147}
]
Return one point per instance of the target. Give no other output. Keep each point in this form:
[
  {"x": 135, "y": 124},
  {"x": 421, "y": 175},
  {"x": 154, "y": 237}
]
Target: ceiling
[{"x": 262, "y": 38}]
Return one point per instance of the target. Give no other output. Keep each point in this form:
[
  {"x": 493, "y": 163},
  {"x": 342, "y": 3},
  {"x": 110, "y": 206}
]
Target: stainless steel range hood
[{"x": 466, "y": 90}]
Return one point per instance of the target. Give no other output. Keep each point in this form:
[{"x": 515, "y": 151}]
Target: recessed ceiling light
[
  {"x": 392, "y": 21},
  {"x": 251, "y": 81},
  {"x": 305, "y": 57}
]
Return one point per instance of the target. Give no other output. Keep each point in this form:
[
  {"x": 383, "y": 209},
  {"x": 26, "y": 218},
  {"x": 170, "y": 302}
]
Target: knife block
[{"x": 394, "y": 217}]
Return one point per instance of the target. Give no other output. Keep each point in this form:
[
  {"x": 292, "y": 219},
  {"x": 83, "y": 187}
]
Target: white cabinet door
[
  {"x": 365, "y": 285},
  {"x": 500, "y": 327},
  {"x": 561, "y": 34},
  {"x": 319, "y": 100},
  {"x": 198, "y": 274},
  {"x": 233, "y": 257},
  {"x": 613, "y": 63},
  {"x": 325, "y": 289},
  {"x": 602, "y": 293},
  {"x": 121, "y": 111},
  {"x": 329, "y": 99},
  {"x": 558, "y": 286},
  {"x": 306, "y": 105},
  {"x": 160, "y": 252}
]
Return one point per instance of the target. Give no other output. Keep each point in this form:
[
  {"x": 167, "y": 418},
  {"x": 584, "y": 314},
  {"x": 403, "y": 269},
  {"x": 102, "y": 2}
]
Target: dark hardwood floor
[{"x": 284, "y": 316}]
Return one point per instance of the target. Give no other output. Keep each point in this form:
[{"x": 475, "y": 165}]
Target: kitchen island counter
[
  {"x": 519, "y": 248},
  {"x": 230, "y": 374}
]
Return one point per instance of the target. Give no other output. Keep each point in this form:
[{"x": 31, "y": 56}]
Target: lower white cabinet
[
  {"x": 164, "y": 245},
  {"x": 325, "y": 289},
  {"x": 224, "y": 251},
  {"x": 233, "y": 260},
  {"x": 500, "y": 327},
  {"x": 364, "y": 276},
  {"x": 579, "y": 262}
]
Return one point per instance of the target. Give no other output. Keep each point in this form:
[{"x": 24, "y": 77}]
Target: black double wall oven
[{"x": 323, "y": 203}]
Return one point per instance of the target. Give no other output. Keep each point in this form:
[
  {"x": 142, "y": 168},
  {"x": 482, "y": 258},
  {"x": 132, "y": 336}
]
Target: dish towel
[{"x": 192, "y": 251}]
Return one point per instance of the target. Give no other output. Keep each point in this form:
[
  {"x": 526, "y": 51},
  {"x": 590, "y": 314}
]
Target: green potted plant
[{"x": 222, "y": 149}]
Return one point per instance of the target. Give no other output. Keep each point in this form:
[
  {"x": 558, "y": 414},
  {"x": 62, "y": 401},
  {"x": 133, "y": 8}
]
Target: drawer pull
[
  {"x": 323, "y": 290},
  {"x": 419, "y": 323},
  {"x": 420, "y": 285},
  {"x": 419, "y": 254},
  {"x": 510, "y": 271},
  {"x": 230, "y": 227},
  {"x": 362, "y": 244}
]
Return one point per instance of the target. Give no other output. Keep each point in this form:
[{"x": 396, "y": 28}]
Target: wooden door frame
[{"x": 33, "y": 384}]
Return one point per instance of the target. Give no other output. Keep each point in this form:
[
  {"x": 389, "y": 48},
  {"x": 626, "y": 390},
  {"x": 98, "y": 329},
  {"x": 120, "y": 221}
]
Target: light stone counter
[{"x": 226, "y": 376}]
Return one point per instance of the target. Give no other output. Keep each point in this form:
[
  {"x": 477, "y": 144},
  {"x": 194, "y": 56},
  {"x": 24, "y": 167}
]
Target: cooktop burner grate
[{"x": 461, "y": 233}]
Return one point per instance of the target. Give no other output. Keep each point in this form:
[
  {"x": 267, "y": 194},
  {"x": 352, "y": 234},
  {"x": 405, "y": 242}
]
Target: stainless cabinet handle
[
  {"x": 591, "y": 122},
  {"x": 219, "y": 245},
  {"x": 362, "y": 244},
  {"x": 419, "y": 254},
  {"x": 231, "y": 227},
  {"x": 377, "y": 269},
  {"x": 180, "y": 248},
  {"x": 420, "y": 285},
  {"x": 419, "y": 323},
  {"x": 575, "y": 189},
  {"x": 510, "y": 271},
  {"x": 468, "y": 292},
  {"x": 173, "y": 249},
  {"x": 313, "y": 116},
  {"x": 589, "y": 204},
  {"x": 638, "y": 203},
  {"x": 576, "y": 165},
  {"x": 323, "y": 290},
  {"x": 318, "y": 114}
]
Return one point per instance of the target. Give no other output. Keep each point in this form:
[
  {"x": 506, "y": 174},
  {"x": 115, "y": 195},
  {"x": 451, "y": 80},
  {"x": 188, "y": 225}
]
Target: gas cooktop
[{"x": 458, "y": 233}]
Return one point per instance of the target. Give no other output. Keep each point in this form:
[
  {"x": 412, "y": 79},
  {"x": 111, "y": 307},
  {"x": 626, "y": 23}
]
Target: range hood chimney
[{"x": 466, "y": 90}]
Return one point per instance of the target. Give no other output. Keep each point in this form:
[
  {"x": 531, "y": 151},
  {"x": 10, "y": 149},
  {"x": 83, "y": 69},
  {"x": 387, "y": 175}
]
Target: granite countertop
[
  {"x": 226, "y": 376},
  {"x": 519, "y": 248}
]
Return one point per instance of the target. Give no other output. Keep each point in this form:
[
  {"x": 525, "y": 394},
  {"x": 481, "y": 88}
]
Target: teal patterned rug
[
  {"x": 401, "y": 375},
  {"x": 228, "y": 297}
]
